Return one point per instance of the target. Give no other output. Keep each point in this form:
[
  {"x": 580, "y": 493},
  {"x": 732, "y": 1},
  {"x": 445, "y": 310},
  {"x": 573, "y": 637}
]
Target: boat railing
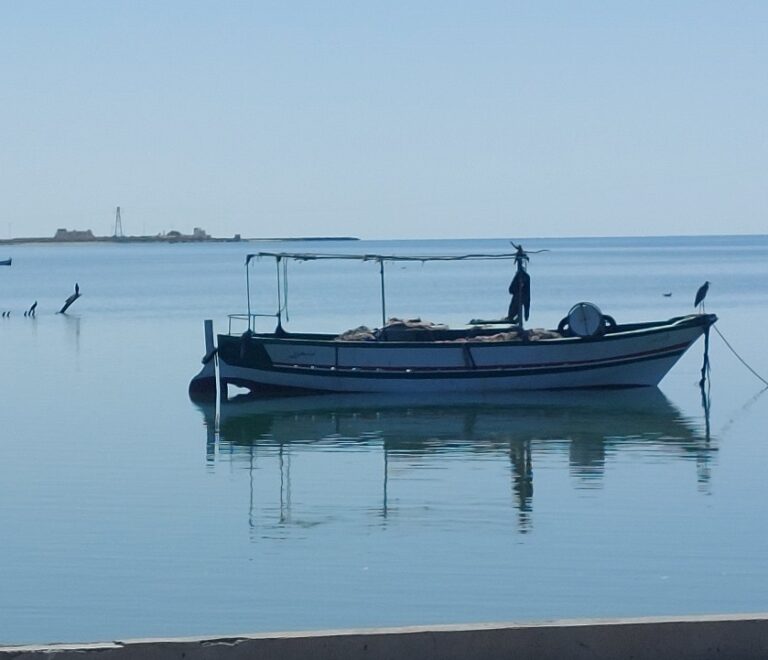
[{"x": 246, "y": 320}]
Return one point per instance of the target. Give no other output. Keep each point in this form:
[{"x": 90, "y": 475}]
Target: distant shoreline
[{"x": 167, "y": 239}]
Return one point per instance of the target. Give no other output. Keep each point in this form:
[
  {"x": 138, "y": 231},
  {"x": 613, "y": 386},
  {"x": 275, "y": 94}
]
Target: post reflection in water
[
  {"x": 584, "y": 426},
  {"x": 522, "y": 481},
  {"x": 73, "y": 329}
]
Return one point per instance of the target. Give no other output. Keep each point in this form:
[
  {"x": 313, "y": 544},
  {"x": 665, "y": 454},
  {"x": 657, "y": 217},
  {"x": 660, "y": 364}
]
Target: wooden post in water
[{"x": 71, "y": 299}]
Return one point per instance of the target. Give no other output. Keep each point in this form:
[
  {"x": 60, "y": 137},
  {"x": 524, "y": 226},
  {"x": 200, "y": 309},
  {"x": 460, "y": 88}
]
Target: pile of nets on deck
[
  {"x": 361, "y": 333},
  {"x": 364, "y": 333}
]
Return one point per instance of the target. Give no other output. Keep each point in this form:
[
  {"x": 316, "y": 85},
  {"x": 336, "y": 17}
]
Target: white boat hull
[
  {"x": 648, "y": 374},
  {"x": 636, "y": 357}
]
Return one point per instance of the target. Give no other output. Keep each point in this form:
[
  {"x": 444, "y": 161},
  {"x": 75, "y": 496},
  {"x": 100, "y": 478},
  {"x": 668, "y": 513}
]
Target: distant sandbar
[{"x": 70, "y": 236}]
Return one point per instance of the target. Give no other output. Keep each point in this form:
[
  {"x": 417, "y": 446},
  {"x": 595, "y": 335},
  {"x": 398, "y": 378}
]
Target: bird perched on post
[
  {"x": 71, "y": 299},
  {"x": 701, "y": 294}
]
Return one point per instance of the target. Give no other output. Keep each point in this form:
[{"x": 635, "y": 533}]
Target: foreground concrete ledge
[{"x": 711, "y": 636}]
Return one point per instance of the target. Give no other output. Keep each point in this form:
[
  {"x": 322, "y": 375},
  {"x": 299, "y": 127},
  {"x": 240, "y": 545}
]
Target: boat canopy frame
[{"x": 281, "y": 265}]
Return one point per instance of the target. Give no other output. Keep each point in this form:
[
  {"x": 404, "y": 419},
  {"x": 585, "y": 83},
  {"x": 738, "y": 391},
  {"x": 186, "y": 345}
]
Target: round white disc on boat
[{"x": 585, "y": 319}]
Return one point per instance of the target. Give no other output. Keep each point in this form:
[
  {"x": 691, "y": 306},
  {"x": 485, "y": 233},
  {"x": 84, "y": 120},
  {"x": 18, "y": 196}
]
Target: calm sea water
[{"x": 126, "y": 511}]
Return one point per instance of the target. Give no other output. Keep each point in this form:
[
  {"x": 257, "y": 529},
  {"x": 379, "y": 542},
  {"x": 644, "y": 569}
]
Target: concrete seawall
[{"x": 700, "y": 637}]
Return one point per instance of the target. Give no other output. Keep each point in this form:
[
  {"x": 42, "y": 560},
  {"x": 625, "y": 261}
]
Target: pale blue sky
[{"x": 386, "y": 119}]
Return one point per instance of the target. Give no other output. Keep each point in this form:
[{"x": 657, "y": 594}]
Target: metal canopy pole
[
  {"x": 279, "y": 294},
  {"x": 383, "y": 299},
  {"x": 248, "y": 288}
]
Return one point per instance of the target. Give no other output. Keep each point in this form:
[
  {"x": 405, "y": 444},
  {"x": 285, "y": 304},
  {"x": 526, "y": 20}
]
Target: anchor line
[
  {"x": 734, "y": 416},
  {"x": 741, "y": 359}
]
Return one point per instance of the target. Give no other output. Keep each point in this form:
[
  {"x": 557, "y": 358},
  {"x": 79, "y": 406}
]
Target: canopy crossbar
[
  {"x": 314, "y": 256},
  {"x": 381, "y": 259}
]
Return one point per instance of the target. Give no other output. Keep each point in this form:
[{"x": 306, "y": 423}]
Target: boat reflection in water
[{"x": 585, "y": 425}]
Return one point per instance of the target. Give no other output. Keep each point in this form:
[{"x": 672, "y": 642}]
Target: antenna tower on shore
[{"x": 118, "y": 224}]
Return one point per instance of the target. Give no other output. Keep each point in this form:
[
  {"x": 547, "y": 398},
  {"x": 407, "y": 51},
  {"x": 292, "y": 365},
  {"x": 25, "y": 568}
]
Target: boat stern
[{"x": 203, "y": 386}]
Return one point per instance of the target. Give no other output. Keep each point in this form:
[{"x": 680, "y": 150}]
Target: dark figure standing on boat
[{"x": 520, "y": 289}]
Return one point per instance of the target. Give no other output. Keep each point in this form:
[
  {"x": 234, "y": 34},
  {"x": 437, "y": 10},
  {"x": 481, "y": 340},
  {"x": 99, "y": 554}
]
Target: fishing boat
[
  {"x": 6, "y": 262},
  {"x": 587, "y": 350}
]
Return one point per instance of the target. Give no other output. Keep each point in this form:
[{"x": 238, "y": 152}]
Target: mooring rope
[
  {"x": 741, "y": 359},
  {"x": 705, "y": 367}
]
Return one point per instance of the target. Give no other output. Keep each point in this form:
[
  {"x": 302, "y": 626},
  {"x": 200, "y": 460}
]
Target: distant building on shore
[
  {"x": 197, "y": 234},
  {"x": 73, "y": 235}
]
